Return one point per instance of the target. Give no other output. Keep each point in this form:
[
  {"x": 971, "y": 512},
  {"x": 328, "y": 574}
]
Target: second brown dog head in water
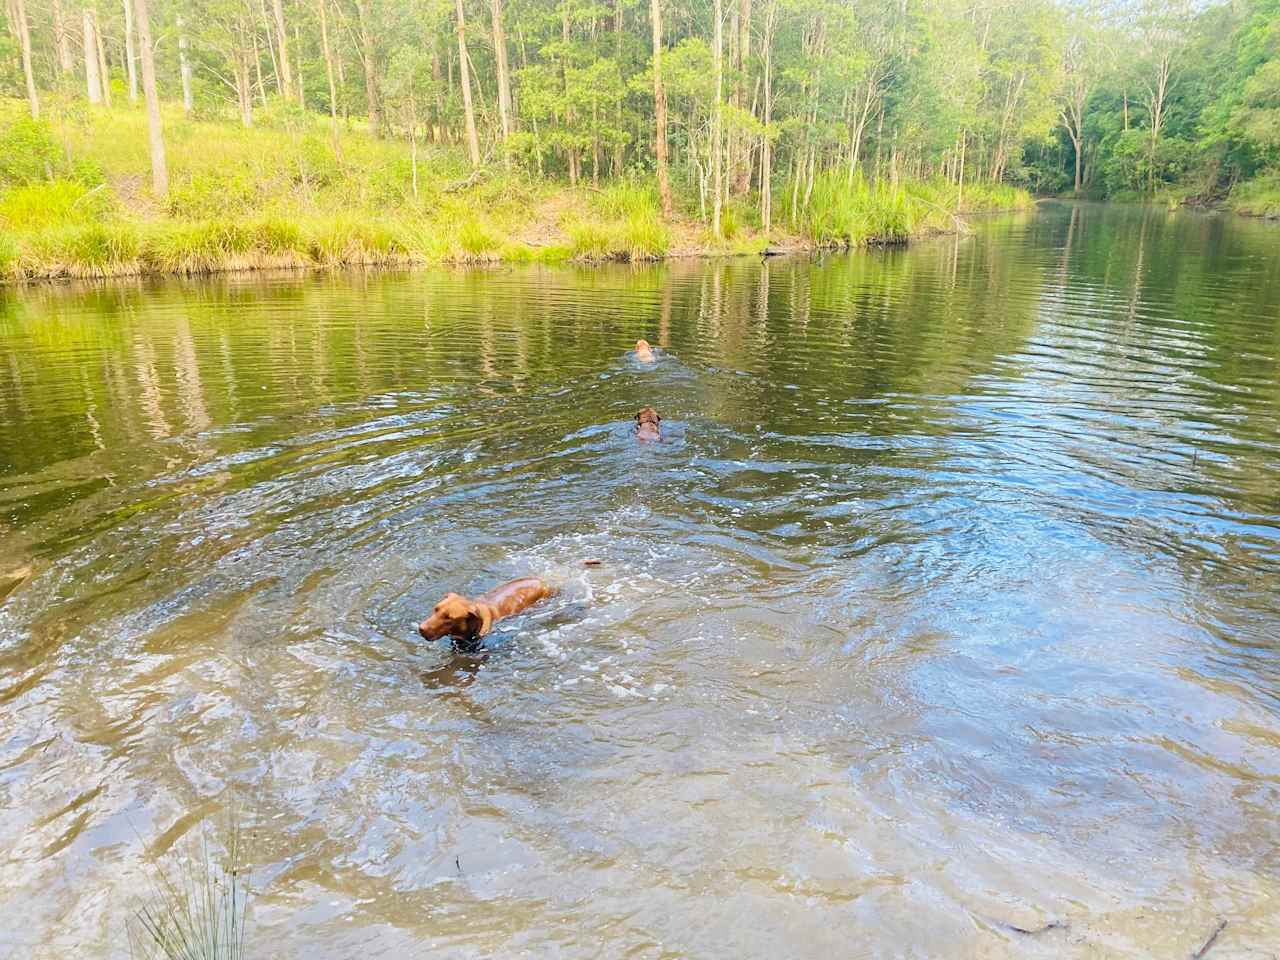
[
  {"x": 644, "y": 352},
  {"x": 647, "y": 424}
]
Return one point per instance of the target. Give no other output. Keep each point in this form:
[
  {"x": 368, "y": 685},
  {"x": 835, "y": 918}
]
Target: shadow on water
[{"x": 947, "y": 608}]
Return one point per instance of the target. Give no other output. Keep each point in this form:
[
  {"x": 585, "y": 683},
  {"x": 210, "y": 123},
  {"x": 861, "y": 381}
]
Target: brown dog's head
[
  {"x": 647, "y": 421},
  {"x": 454, "y": 616}
]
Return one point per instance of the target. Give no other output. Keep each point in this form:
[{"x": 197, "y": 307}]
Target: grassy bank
[
  {"x": 293, "y": 192},
  {"x": 1257, "y": 198}
]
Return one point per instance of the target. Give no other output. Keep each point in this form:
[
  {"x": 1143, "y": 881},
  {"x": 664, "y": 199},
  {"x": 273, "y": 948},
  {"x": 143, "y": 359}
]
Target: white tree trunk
[
  {"x": 184, "y": 71},
  {"x": 717, "y": 174},
  {"x": 473, "y": 141},
  {"x": 24, "y": 40},
  {"x": 155, "y": 126},
  {"x": 92, "y": 78},
  {"x": 131, "y": 59},
  {"x": 104, "y": 72}
]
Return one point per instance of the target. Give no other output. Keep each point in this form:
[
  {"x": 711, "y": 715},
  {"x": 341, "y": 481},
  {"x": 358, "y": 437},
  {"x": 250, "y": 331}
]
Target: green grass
[
  {"x": 639, "y": 236},
  {"x": 845, "y": 213},
  {"x": 1257, "y": 198},
  {"x": 75, "y": 202}
]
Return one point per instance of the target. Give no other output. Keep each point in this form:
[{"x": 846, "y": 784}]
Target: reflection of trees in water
[{"x": 171, "y": 360}]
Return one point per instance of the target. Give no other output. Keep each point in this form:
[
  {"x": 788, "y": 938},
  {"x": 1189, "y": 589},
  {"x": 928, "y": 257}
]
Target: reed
[{"x": 196, "y": 910}]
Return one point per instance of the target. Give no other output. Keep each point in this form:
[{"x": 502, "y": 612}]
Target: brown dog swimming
[
  {"x": 644, "y": 352},
  {"x": 647, "y": 425},
  {"x": 468, "y": 621}
]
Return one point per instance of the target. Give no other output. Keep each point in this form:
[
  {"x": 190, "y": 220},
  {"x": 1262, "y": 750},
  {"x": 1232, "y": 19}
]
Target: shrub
[{"x": 28, "y": 151}]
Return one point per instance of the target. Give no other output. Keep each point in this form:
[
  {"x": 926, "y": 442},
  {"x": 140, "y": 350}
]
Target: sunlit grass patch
[{"x": 34, "y": 206}]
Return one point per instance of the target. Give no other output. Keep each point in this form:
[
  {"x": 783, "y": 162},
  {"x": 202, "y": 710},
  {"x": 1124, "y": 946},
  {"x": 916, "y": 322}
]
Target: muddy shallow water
[{"x": 950, "y": 605}]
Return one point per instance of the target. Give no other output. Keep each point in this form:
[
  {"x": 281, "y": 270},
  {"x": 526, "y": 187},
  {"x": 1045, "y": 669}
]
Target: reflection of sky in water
[{"x": 947, "y": 607}]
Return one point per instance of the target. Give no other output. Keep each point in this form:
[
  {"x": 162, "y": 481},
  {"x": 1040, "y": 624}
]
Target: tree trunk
[
  {"x": 619, "y": 148},
  {"x": 130, "y": 57},
  {"x": 104, "y": 72},
  {"x": 62, "y": 48},
  {"x": 297, "y": 45},
  {"x": 155, "y": 128},
  {"x": 286, "y": 75},
  {"x": 660, "y": 110},
  {"x": 92, "y": 75},
  {"x": 257, "y": 65},
  {"x": 766, "y": 147},
  {"x": 368, "y": 54},
  {"x": 473, "y": 141},
  {"x": 1075, "y": 141},
  {"x": 717, "y": 133},
  {"x": 184, "y": 71},
  {"x": 24, "y": 41},
  {"x": 268, "y": 22},
  {"x": 742, "y": 162},
  {"x": 321, "y": 8},
  {"x": 504, "y": 76}
]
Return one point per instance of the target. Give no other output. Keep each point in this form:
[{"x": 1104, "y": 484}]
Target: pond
[{"x": 949, "y": 607}]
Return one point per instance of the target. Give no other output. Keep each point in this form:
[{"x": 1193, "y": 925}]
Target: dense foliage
[{"x": 760, "y": 102}]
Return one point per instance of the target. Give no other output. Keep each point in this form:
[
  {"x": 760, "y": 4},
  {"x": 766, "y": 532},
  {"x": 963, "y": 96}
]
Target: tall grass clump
[
  {"x": 348, "y": 240},
  {"x": 85, "y": 250},
  {"x": 643, "y": 236},
  {"x": 195, "y": 248},
  {"x": 627, "y": 199},
  {"x": 196, "y": 911},
  {"x": 280, "y": 237},
  {"x": 844, "y": 213},
  {"x": 476, "y": 241}
]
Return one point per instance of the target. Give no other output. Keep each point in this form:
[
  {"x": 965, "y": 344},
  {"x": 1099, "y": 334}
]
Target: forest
[{"x": 742, "y": 115}]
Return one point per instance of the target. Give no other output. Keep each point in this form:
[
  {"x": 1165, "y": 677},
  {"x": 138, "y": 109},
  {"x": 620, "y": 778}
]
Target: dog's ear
[
  {"x": 474, "y": 622},
  {"x": 638, "y": 412}
]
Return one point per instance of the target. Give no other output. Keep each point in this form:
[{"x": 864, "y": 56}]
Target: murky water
[{"x": 951, "y": 604}]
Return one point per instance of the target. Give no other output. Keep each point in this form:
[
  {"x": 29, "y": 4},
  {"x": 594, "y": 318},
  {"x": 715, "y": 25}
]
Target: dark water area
[{"x": 950, "y": 604}]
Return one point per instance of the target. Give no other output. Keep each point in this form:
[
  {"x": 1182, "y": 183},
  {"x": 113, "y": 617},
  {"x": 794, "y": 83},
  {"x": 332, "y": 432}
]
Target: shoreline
[{"x": 142, "y": 267}]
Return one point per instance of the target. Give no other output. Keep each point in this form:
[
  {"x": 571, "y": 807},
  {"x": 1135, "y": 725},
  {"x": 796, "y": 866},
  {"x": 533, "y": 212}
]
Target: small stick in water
[
  {"x": 592, "y": 562},
  {"x": 1213, "y": 938}
]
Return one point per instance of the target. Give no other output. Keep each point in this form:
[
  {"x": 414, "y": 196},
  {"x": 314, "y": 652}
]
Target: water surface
[{"x": 950, "y": 606}]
